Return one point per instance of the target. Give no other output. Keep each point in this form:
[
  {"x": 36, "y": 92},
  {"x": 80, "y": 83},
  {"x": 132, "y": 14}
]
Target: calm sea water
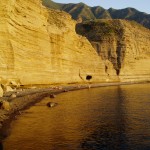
[{"x": 106, "y": 118}]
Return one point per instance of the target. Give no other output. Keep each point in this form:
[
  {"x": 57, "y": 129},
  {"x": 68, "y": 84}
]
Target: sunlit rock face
[
  {"x": 136, "y": 64},
  {"x": 40, "y": 46},
  {"x": 123, "y": 47}
]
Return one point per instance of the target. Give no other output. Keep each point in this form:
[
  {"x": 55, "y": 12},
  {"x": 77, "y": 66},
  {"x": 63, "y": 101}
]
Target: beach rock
[
  {"x": 1, "y": 91},
  {"x": 52, "y": 96},
  {"x": 15, "y": 83},
  {"x": 13, "y": 95},
  {"x": 5, "y": 105},
  {"x": 65, "y": 90},
  {"x": 51, "y": 104},
  {"x": 58, "y": 88},
  {"x": 8, "y": 89},
  {"x": 20, "y": 90}
]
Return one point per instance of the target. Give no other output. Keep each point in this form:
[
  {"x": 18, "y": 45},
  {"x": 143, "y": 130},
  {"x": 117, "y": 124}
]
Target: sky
[{"x": 141, "y": 5}]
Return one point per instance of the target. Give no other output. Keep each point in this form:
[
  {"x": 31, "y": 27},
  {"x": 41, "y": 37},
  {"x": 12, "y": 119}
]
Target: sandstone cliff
[
  {"x": 40, "y": 46},
  {"x": 123, "y": 46}
]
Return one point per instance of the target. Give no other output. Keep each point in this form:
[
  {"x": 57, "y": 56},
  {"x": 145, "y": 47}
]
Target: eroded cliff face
[
  {"x": 122, "y": 45},
  {"x": 136, "y": 64},
  {"x": 40, "y": 46}
]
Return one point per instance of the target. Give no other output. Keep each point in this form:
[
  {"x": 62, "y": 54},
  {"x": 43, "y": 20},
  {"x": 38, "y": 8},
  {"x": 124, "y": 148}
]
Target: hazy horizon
[{"x": 117, "y": 4}]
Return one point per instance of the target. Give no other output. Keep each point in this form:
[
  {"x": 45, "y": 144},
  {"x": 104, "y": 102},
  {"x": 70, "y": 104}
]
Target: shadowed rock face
[
  {"x": 40, "y": 46},
  {"x": 105, "y": 36},
  {"x": 123, "y": 46}
]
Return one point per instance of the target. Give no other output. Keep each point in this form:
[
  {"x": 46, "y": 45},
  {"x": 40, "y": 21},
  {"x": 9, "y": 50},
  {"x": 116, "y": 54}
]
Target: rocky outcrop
[
  {"x": 40, "y": 46},
  {"x": 123, "y": 46}
]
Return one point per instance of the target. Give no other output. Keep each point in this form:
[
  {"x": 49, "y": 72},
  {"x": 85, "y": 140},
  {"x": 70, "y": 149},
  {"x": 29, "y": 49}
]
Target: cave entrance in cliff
[{"x": 88, "y": 77}]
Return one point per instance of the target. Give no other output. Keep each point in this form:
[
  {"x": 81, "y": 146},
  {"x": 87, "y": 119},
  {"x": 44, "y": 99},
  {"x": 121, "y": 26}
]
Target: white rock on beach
[
  {"x": 13, "y": 95},
  {"x": 51, "y": 104},
  {"x": 8, "y": 89},
  {"x": 14, "y": 83}
]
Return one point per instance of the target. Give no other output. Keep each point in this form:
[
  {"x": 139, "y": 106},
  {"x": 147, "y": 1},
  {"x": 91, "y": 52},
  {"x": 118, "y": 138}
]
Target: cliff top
[
  {"x": 99, "y": 29},
  {"x": 84, "y": 12}
]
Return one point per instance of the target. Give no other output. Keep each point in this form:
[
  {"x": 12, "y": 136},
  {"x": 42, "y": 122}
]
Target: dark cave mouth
[{"x": 88, "y": 77}]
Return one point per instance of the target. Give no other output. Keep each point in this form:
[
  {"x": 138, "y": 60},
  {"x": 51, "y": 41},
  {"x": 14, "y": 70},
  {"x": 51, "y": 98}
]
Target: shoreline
[{"x": 28, "y": 97}]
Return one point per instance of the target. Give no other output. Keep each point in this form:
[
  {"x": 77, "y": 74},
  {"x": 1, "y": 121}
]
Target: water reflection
[
  {"x": 111, "y": 133},
  {"x": 110, "y": 118}
]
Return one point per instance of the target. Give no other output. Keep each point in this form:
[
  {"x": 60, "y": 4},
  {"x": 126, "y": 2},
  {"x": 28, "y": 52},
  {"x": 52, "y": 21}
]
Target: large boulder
[
  {"x": 8, "y": 89},
  {"x": 15, "y": 83},
  {"x": 51, "y": 104},
  {"x": 52, "y": 96},
  {"x": 13, "y": 95},
  {"x": 5, "y": 105}
]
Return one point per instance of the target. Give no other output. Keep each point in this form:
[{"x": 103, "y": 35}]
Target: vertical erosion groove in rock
[
  {"x": 122, "y": 45},
  {"x": 40, "y": 46}
]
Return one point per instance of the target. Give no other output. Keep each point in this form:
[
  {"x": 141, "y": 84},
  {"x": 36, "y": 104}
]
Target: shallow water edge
[
  {"x": 113, "y": 117},
  {"x": 27, "y": 99}
]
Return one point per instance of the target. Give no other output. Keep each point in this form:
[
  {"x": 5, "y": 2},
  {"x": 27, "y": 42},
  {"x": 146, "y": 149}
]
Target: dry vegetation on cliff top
[
  {"x": 99, "y": 29},
  {"x": 84, "y": 12}
]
